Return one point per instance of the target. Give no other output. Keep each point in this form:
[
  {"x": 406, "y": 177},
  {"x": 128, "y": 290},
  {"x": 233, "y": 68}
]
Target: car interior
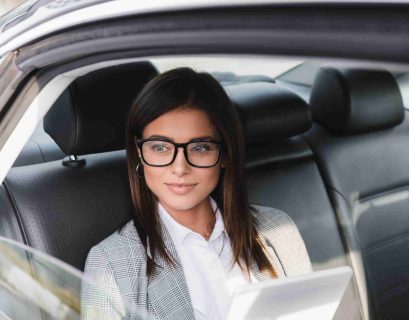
[{"x": 326, "y": 143}]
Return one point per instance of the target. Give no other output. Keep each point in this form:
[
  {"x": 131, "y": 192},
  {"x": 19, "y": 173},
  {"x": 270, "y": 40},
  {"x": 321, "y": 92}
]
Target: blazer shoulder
[
  {"x": 107, "y": 271},
  {"x": 281, "y": 233},
  {"x": 116, "y": 245},
  {"x": 268, "y": 217}
]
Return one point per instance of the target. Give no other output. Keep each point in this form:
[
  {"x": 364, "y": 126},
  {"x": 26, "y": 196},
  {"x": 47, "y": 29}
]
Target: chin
[{"x": 180, "y": 203}]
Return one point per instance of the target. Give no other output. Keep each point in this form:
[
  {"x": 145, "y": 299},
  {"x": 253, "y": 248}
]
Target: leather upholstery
[
  {"x": 9, "y": 226},
  {"x": 346, "y": 100},
  {"x": 282, "y": 173},
  {"x": 268, "y": 112},
  {"x": 75, "y": 208},
  {"x": 71, "y": 208},
  {"x": 40, "y": 148},
  {"x": 90, "y": 116},
  {"x": 368, "y": 178}
]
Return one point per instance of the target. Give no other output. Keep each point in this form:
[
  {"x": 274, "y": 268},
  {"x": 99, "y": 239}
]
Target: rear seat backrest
[
  {"x": 40, "y": 148},
  {"x": 282, "y": 173},
  {"x": 361, "y": 140},
  {"x": 63, "y": 210}
]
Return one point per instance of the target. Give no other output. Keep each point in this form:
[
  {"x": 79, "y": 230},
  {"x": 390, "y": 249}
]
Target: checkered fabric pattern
[{"x": 116, "y": 284}]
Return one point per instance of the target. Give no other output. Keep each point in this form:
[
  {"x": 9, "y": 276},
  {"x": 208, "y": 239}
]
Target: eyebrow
[{"x": 191, "y": 140}]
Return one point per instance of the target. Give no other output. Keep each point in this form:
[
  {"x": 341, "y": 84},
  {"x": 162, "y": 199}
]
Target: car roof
[{"x": 37, "y": 18}]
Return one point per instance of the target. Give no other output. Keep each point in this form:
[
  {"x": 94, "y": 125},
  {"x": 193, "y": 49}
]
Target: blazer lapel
[{"x": 168, "y": 294}]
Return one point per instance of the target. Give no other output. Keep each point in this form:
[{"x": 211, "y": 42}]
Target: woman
[{"x": 194, "y": 237}]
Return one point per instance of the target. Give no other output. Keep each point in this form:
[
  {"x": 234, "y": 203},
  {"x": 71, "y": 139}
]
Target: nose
[{"x": 180, "y": 166}]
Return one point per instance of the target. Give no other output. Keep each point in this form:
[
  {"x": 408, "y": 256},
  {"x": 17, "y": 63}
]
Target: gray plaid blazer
[{"x": 116, "y": 285}]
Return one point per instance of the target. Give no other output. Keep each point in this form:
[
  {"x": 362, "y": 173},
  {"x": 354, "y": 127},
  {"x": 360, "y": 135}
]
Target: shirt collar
[{"x": 178, "y": 232}]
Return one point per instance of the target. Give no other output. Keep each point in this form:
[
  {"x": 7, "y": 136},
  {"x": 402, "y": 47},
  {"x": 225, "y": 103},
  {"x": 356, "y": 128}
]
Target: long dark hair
[{"x": 198, "y": 90}]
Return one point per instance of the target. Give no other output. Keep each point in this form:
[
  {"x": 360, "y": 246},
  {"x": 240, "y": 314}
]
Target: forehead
[{"x": 181, "y": 124}]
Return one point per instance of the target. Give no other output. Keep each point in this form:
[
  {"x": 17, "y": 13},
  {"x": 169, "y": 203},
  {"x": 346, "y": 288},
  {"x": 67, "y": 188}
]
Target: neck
[{"x": 199, "y": 219}]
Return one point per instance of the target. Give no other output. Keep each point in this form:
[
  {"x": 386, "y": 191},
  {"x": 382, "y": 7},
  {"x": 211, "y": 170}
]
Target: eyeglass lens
[{"x": 200, "y": 153}]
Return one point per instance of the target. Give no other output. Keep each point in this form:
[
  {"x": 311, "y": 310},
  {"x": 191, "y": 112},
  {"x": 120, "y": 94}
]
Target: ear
[
  {"x": 140, "y": 157},
  {"x": 223, "y": 164},
  {"x": 139, "y": 152}
]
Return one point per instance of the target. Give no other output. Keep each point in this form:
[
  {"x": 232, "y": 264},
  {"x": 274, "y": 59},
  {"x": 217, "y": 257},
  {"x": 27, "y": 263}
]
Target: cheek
[
  {"x": 153, "y": 177},
  {"x": 208, "y": 180},
  {"x": 211, "y": 178}
]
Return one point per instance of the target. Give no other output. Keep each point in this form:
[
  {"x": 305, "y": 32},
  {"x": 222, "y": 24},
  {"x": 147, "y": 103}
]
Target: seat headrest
[
  {"x": 269, "y": 113},
  {"x": 348, "y": 100},
  {"x": 90, "y": 116}
]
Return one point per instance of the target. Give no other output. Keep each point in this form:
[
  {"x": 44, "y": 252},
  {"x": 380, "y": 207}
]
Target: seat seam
[
  {"x": 23, "y": 235},
  {"x": 380, "y": 244},
  {"x": 387, "y": 294},
  {"x": 364, "y": 305},
  {"x": 41, "y": 151},
  {"x": 384, "y": 193},
  {"x": 16, "y": 212},
  {"x": 340, "y": 194}
]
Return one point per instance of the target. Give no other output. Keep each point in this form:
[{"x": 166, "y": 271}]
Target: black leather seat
[
  {"x": 64, "y": 209},
  {"x": 361, "y": 140},
  {"x": 282, "y": 173},
  {"x": 10, "y": 225},
  {"x": 39, "y": 148}
]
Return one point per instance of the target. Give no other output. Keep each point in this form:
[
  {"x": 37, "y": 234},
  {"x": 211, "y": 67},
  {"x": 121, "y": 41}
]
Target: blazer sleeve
[
  {"x": 100, "y": 295},
  {"x": 282, "y": 235}
]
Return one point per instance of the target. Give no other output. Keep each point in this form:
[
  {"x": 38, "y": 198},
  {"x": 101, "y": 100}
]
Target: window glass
[
  {"x": 33, "y": 284},
  {"x": 228, "y": 69}
]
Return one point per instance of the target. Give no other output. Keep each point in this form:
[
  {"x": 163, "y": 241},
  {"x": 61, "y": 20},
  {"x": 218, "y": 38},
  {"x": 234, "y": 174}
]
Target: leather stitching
[{"x": 399, "y": 238}]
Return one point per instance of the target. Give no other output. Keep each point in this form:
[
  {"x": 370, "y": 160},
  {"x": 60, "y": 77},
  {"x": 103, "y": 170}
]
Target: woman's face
[{"x": 180, "y": 186}]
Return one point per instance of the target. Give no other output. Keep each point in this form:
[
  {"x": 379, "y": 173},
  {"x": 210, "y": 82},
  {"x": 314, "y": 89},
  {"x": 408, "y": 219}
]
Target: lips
[{"x": 180, "y": 188}]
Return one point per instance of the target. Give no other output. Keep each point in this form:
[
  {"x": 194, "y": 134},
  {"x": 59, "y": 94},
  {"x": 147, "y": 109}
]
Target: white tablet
[{"x": 314, "y": 295}]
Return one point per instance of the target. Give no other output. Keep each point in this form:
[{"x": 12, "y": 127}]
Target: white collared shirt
[{"x": 206, "y": 266}]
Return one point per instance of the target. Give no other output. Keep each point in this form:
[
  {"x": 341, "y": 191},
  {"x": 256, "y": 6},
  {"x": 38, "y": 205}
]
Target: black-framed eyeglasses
[{"x": 162, "y": 152}]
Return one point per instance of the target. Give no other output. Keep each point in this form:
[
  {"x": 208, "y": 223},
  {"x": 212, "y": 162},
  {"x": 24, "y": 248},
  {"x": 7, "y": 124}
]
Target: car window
[
  {"x": 32, "y": 282},
  {"x": 295, "y": 75},
  {"x": 302, "y": 74},
  {"x": 227, "y": 70},
  {"x": 231, "y": 69},
  {"x": 345, "y": 193}
]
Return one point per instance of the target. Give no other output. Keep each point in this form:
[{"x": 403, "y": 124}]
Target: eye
[
  {"x": 159, "y": 147},
  {"x": 200, "y": 148}
]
